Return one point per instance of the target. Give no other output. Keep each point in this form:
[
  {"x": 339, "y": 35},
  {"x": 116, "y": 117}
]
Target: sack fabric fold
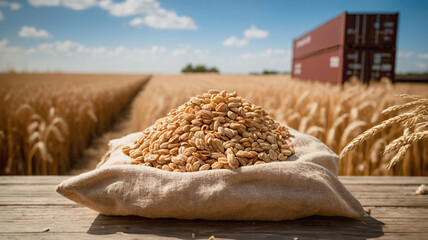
[{"x": 304, "y": 185}]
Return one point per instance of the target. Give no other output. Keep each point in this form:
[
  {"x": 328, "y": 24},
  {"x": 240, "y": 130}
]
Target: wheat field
[
  {"x": 334, "y": 114},
  {"x": 48, "y": 119}
]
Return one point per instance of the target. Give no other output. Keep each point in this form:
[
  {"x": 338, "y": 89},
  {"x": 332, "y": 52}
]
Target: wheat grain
[{"x": 225, "y": 137}]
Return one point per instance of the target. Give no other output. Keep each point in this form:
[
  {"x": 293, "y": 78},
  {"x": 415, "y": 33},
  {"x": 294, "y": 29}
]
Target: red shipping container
[
  {"x": 338, "y": 65},
  {"x": 324, "y": 67},
  {"x": 371, "y": 30},
  {"x": 329, "y": 35},
  {"x": 369, "y": 64},
  {"x": 349, "y": 31},
  {"x": 361, "y": 45}
]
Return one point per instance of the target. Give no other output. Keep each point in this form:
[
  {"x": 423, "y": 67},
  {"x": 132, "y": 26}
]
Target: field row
[{"x": 48, "y": 119}]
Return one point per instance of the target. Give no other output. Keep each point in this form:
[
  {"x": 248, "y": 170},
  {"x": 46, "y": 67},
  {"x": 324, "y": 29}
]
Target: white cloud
[
  {"x": 269, "y": 52},
  {"x": 96, "y": 50},
  {"x": 12, "y": 5},
  {"x": 70, "y": 56},
  {"x": 44, "y": 3},
  {"x": 254, "y": 32},
  {"x": 1, "y": 16},
  {"x": 246, "y": 55},
  {"x": 32, "y": 32},
  {"x": 149, "y": 12},
  {"x": 5, "y": 50},
  {"x": 169, "y": 20},
  {"x": 136, "y": 21},
  {"x": 79, "y": 4},
  {"x": 189, "y": 53},
  {"x": 119, "y": 51},
  {"x": 73, "y": 4},
  {"x": 421, "y": 65},
  {"x": 3, "y": 43},
  {"x": 271, "y": 58},
  {"x": 130, "y": 7},
  {"x": 64, "y": 47},
  {"x": 186, "y": 46},
  {"x": 178, "y": 52},
  {"x": 71, "y": 48},
  {"x": 404, "y": 54},
  {"x": 235, "y": 42},
  {"x": 423, "y": 56},
  {"x": 201, "y": 54},
  {"x": 15, "y": 6},
  {"x": 157, "y": 49}
]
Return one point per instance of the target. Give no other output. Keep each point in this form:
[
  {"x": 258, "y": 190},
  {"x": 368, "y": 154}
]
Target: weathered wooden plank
[
  {"x": 371, "y": 180},
  {"x": 17, "y": 212},
  {"x": 366, "y": 193},
  {"x": 399, "y": 213},
  {"x": 23, "y": 194},
  {"x": 27, "y": 207},
  {"x": 32, "y": 180},
  {"x": 401, "y": 236},
  {"x": 369, "y": 195},
  {"x": 404, "y": 202},
  {"x": 347, "y": 180},
  {"x": 30, "y": 201},
  {"x": 80, "y": 236},
  {"x": 79, "y": 219},
  {"x": 373, "y": 189},
  {"x": 238, "y": 236},
  {"x": 370, "y": 189},
  {"x": 359, "y": 187},
  {"x": 52, "y": 198}
]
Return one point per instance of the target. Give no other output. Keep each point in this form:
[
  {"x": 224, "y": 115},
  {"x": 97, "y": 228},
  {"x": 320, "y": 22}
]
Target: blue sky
[{"x": 147, "y": 36}]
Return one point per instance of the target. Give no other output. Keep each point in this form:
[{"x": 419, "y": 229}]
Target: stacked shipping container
[{"x": 360, "y": 45}]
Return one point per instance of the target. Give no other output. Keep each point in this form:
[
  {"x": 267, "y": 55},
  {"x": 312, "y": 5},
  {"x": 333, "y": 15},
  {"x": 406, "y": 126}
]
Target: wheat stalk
[{"x": 409, "y": 137}]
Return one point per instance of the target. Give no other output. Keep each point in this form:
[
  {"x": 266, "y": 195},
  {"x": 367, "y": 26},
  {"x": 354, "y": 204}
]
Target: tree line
[{"x": 199, "y": 69}]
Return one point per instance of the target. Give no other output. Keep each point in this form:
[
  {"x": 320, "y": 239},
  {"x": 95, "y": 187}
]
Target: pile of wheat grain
[
  {"x": 213, "y": 130},
  {"x": 335, "y": 114},
  {"x": 48, "y": 119}
]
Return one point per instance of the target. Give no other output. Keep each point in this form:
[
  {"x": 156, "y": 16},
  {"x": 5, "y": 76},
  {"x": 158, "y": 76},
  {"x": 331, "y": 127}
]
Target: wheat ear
[
  {"x": 409, "y": 139},
  {"x": 399, "y": 156},
  {"x": 375, "y": 130},
  {"x": 406, "y": 105}
]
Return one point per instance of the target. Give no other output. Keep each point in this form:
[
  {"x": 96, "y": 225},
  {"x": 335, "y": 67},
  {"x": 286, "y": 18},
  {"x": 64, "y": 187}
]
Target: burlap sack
[{"x": 305, "y": 185}]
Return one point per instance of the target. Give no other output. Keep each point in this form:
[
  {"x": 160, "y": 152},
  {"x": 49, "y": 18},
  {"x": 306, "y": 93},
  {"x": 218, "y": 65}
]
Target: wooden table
[{"x": 31, "y": 209}]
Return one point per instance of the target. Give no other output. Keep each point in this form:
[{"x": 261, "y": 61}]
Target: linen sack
[{"x": 304, "y": 185}]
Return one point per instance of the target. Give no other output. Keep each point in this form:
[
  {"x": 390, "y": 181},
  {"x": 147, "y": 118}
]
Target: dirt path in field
[{"x": 99, "y": 145}]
